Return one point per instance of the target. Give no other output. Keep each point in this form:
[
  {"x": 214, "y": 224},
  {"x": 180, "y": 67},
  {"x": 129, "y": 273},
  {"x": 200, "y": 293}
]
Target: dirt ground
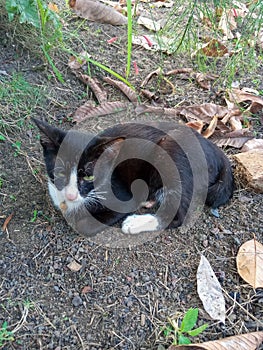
[{"x": 121, "y": 297}]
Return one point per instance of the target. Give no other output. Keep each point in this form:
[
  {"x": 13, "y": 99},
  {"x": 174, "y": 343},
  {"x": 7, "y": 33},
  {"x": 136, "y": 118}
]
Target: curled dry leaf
[
  {"x": 248, "y": 341},
  {"x": 235, "y": 123},
  {"x": 196, "y": 125},
  {"x": 74, "y": 266},
  {"x": 7, "y": 220},
  {"x": 250, "y": 263},
  {"x": 211, "y": 127},
  {"x": 238, "y": 96},
  {"x": 210, "y": 291},
  {"x": 128, "y": 92},
  {"x": 227, "y": 23},
  {"x": 87, "y": 110},
  {"x": 95, "y": 11},
  {"x": 150, "y": 75},
  {"x": 99, "y": 92}
]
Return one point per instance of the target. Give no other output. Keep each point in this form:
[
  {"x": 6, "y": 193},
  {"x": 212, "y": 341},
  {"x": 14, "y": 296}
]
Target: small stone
[{"x": 77, "y": 301}]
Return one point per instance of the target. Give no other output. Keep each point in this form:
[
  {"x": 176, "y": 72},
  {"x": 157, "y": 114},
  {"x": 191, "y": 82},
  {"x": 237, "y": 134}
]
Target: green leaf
[
  {"x": 198, "y": 330},
  {"x": 183, "y": 340},
  {"x": 2, "y": 138},
  {"x": 189, "y": 320}
]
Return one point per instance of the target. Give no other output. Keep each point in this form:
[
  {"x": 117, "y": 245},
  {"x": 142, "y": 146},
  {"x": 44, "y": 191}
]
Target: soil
[{"x": 120, "y": 298}]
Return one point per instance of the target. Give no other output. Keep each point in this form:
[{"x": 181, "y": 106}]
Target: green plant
[
  {"x": 5, "y": 335},
  {"x": 179, "y": 332},
  {"x": 17, "y": 146},
  {"x": 39, "y": 15},
  {"x": 129, "y": 35},
  {"x": 34, "y": 218}
]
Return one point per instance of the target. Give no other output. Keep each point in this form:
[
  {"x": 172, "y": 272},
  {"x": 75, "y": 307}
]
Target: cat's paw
[{"x": 140, "y": 223}]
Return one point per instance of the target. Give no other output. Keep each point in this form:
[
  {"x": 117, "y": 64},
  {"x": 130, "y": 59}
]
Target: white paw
[{"x": 140, "y": 223}]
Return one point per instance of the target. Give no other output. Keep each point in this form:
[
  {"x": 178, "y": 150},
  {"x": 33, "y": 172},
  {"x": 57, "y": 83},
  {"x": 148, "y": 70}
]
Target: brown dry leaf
[
  {"x": 250, "y": 263},
  {"x": 7, "y": 220},
  {"x": 76, "y": 63},
  {"x": 196, "y": 125},
  {"x": 128, "y": 92},
  {"x": 211, "y": 127},
  {"x": 204, "y": 112},
  {"x": 99, "y": 92},
  {"x": 204, "y": 80},
  {"x": 227, "y": 23},
  {"x": 86, "y": 289},
  {"x": 95, "y": 11},
  {"x": 210, "y": 291},
  {"x": 248, "y": 341},
  {"x": 213, "y": 48},
  {"x": 235, "y": 123},
  {"x": 74, "y": 266},
  {"x": 234, "y": 139},
  {"x": 149, "y": 76},
  {"x": 88, "y": 110},
  {"x": 238, "y": 96}
]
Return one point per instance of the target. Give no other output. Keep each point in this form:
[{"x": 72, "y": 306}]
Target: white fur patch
[
  {"x": 140, "y": 223},
  {"x": 59, "y": 197}
]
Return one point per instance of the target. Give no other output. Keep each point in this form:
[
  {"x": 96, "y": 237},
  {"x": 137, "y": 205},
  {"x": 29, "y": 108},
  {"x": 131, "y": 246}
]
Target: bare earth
[{"x": 121, "y": 297}]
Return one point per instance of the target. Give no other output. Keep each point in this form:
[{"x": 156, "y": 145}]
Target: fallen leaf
[
  {"x": 76, "y": 63},
  {"x": 74, "y": 266},
  {"x": 53, "y": 7},
  {"x": 227, "y": 23},
  {"x": 248, "y": 341},
  {"x": 252, "y": 144},
  {"x": 238, "y": 96},
  {"x": 95, "y": 11},
  {"x": 150, "y": 23},
  {"x": 128, "y": 92},
  {"x": 210, "y": 291},
  {"x": 88, "y": 110},
  {"x": 250, "y": 263},
  {"x": 204, "y": 112},
  {"x": 213, "y": 48},
  {"x": 6, "y": 222},
  {"x": 211, "y": 127},
  {"x": 86, "y": 289},
  {"x": 235, "y": 123},
  {"x": 93, "y": 83},
  {"x": 196, "y": 125}
]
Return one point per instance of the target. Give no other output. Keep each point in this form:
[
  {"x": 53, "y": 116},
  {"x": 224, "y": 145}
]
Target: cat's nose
[{"x": 71, "y": 196}]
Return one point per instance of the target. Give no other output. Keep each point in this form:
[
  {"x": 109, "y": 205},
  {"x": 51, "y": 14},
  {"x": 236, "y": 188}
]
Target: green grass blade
[
  {"x": 198, "y": 330},
  {"x": 129, "y": 38}
]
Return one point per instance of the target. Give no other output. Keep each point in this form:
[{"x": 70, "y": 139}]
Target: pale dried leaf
[
  {"x": 248, "y": 341},
  {"x": 95, "y": 11},
  {"x": 99, "y": 92},
  {"x": 213, "y": 48},
  {"x": 210, "y": 291},
  {"x": 149, "y": 42},
  {"x": 235, "y": 123},
  {"x": 74, "y": 266},
  {"x": 211, "y": 127},
  {"x": 87, "y": 110},
  {"x": 149, "y": 76},
  {"x": 252, "y": 144},
  {"x": 76, "y": 63},
  {"x": 234, "y": 139},
  {"x": 159, "y": 4},
  {"x": 151, "y": 24},
  {"x": 250, "y": 263},
  {"x": 204, "y": 80},
  {"x": 238, "y": 96},
  {"x": 227, "y": 23},
  {"x": 128, "y": 92}
]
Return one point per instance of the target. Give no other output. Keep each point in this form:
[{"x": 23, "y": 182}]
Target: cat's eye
[
  {"x": 60, "y": 174},
  {"x": 88, "y": 178}
]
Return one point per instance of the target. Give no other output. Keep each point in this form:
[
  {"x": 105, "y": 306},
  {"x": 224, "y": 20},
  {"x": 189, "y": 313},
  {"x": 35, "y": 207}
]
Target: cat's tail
[{"x": 221, "y": 191}]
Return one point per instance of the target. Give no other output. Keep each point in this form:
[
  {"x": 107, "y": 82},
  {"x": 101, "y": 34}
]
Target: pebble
[{"x": 77, "y": 301}]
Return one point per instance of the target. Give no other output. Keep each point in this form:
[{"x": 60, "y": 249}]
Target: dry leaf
[
  {"x": 76, "y": 63},
  {"x": 151, "y": 24},
  {"x": 53, "y": 7},
  {"x": 128, "y": 92},
  {"x": 204, "y": 112},
  {"x": 86, "y": 289},
  {"x": 252, "y": 144},
  {"x": 227, "y": 23},
  {"x": 250, "y": 263},
  {"x": 211, "y": 127},
  {"x": 213, "y": 48},
  {"x": 88, "y": 110},
  {"x": 74, "y": 266},
  {"x": 97, "y": 12},
  {"x": 248, "y": 341},
  {"x": 210, "y": 291},
  {"x": 196, "y": 125},
  {"x": 235, "y": 123},
  {"x": 99, "y": 92},
  {"x": 7, "y": 220},
  {"x": 238, "y": 96}
]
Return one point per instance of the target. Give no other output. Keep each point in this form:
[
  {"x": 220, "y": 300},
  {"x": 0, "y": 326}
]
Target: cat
[{"x": 164, "y": 169}]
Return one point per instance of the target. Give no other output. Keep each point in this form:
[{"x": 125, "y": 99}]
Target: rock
[
  {"x": 77, "y": 301},
  {"x": 249, "y": 169},
  {"x": 252, "y": 144}
]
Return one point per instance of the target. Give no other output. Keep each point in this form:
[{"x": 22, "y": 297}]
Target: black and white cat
[{"x": 167, "y": 168}]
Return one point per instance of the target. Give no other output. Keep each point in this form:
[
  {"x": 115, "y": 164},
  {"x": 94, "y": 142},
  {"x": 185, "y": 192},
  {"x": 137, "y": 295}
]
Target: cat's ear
[
  {"x": 50, "y": 137},
  {"x": 110, "y": 146}
]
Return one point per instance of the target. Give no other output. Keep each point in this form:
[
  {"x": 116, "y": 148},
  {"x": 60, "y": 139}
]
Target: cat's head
[{"x": 71, "y": 157}]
